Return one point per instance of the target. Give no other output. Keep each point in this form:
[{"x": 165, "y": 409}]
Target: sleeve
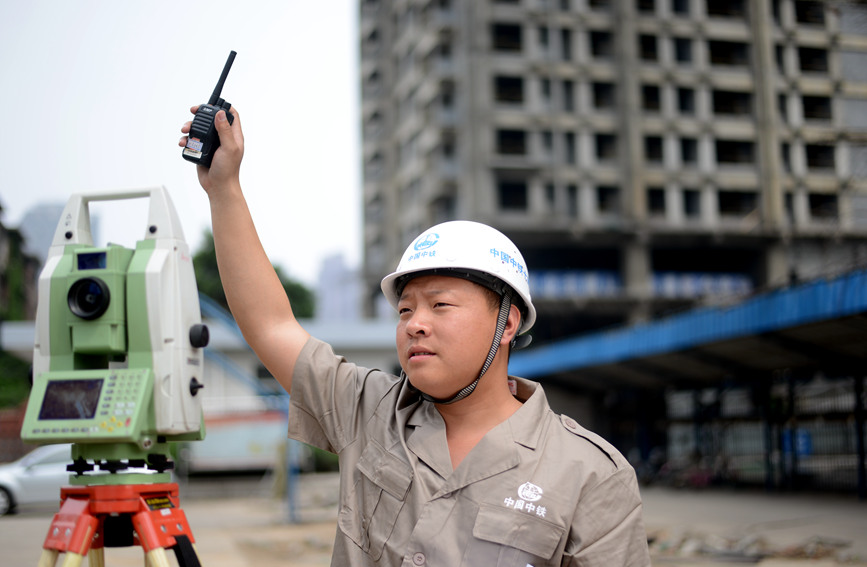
[
  {"x": 608, "y": 529},
  {"x": 331, "y": 398}
]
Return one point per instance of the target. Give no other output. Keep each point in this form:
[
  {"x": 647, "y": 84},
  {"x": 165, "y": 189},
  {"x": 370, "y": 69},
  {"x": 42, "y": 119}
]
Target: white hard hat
[{"x": 470, "y": 250}]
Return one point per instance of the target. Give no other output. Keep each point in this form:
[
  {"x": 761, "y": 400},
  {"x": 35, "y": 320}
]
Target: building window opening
[
  {"x": 650, "y": 98},
  {"x": 823, "y": 206},
  {"x": 736, "y": 203},
  {"x": 600, "y": 5},
  {"x": 566, "y": 44},
  {"x": 732, "y": 103},
  {"x": 819, "y": 156},
  {"x": 653, "y": 149},
  {"x": 691, "y": 203},
  {"x": 444, "y": 50},
  {"x": 546, "y": 91},
  {"x": 447, "y": 146},
  {"x": 601, "y": 45},
  {"x": 570, "y": 147},
  {"x": 813, "y": 59},
  {"x": 647, "y": 47},
  {"x": 572, "y": 200},
  {"x": 543, "y": 38},
  {"x": 688, "y": 151},
  {"x": 686, "y": 101},
  {"x": 784, "y": 157},
  {"x": 811, "y": 12},
  {"x": 568, "y": 96},
  {"x": 511, "y": 142},
  {"x": 512, "y": 195},
  {"x": 607, "y": 199},
  {"x": 509, "y": 89},
  {"x": 656, "y": 201},
  {"x": 547, "y": 143},
  {"x": 447, "y": 95},
  {"x": 603, "y": 96},
  {"x": 734, "y": 152},
  {"x": 729, "y": 53},
  {"x": 726, "y": 8},
  {"x": 680, "y": 7},
  {"x": 646, "y": 6},
  {"x": 507, "y": 38},
  {"x": 683, "y": 50},
  {"x": 816, "y": 107},
  {"x": 606, "y": 147}
]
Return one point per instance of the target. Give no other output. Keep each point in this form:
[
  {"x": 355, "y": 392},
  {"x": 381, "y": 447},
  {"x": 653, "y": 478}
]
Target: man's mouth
[{"x": 420, "y": 353}]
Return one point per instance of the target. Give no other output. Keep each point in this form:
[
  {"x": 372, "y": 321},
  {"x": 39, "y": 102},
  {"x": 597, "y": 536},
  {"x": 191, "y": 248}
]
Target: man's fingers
[{"x": 228, "y": 131}]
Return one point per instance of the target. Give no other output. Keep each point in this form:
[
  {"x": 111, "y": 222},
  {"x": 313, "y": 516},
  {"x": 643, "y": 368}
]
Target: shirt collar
[{"x": 525, "y": 424}]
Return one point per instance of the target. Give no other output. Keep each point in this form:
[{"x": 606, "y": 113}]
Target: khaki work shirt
[{"x": 537, "y": 491}]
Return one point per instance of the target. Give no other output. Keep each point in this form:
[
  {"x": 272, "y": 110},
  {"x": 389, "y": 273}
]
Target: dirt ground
[{"x": 240, "y": 523}]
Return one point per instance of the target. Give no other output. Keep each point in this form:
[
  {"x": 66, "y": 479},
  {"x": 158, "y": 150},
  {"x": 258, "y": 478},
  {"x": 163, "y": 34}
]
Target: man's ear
[{"x": 513, "y": 323}]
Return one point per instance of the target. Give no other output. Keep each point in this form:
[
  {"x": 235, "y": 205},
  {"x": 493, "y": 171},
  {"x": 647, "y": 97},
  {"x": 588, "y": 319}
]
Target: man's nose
[{"x": 418, "y": 323}]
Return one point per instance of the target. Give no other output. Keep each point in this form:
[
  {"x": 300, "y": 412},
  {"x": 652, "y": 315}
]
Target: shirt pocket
[
  {"x": 369, "y": 514},
  {"x": 513, "y": 538}
]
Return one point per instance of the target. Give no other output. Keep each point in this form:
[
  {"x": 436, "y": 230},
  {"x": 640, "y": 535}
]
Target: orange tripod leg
[
  {"x": 96, "y": 557},
  {"x": 48, "y": 558},
  {"x": 73, "y": 560},
  {"x": 71, "y": 532},
  {"x": 157, "y": 558}
]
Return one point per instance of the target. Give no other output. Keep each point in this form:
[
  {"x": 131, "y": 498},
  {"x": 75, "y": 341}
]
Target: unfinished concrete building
[{"x": 647, "y": 155}]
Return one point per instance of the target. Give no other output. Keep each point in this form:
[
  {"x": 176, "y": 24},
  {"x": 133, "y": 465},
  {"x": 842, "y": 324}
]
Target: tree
[
  {"x": 18, "y": 273},
  {"x": 208, "y": 281}
]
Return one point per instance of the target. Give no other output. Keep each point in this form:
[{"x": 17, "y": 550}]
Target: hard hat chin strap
[{"x": 502, "y": 318}]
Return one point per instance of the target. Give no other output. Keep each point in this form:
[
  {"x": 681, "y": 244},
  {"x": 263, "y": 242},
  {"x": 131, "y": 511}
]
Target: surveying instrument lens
[{"x": 88, "y": 298}]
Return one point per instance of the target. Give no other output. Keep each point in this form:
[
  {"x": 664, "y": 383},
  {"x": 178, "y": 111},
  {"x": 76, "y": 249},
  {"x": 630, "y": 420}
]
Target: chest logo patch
[{"x": 530, "y": 492}]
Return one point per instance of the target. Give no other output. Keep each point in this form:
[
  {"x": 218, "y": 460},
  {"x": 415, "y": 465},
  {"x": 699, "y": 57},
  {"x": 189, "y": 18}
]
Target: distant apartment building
[{"x": 646, "y": 155}]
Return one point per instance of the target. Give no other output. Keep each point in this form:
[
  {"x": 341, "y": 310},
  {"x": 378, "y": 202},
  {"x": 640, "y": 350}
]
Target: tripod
[{"x": 94, "y": 517}]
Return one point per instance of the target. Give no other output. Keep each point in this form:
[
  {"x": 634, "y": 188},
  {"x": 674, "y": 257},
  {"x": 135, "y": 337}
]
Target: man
[{"x": 452, "y": 463}]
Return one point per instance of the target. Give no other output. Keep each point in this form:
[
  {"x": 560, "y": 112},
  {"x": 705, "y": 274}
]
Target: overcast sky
[{"x": 94, "y": 93}]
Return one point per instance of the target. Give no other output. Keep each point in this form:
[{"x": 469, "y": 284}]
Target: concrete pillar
[{"x": 764, "y": 67}]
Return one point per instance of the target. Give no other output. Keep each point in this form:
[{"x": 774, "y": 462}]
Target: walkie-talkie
[{"x": 203, "y": 140}]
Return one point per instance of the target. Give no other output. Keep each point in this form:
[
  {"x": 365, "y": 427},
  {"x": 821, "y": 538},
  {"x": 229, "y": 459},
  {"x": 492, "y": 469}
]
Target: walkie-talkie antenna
[
  {"x": 204, "y": 140},
  {"x": 215, "y": 96}
]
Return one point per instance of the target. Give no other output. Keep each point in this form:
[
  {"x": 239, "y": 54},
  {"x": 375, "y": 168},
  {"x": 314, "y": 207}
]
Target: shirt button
[{"x": 418, "y": 559}]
